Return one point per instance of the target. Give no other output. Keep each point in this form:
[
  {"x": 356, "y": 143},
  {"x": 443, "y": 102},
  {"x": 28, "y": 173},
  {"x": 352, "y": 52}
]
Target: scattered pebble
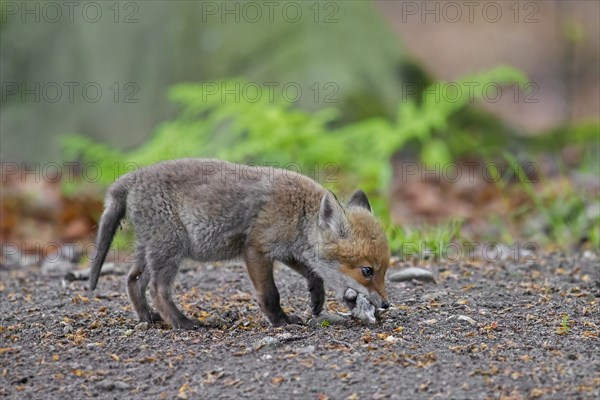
[
  {"x": 121, "y": 385},
  {"x": 589, "y": 255},
  {"x": 306, "y": 349},
  {"x": 411, "y": 273},
  {"x": 267, "y": 342},
  {"x": 14, "y": 259},
  {"x": 462, "y": 318},
  {"x": 391, "y": 339},
  {"x": 142, "y": 326},
  {"x": 215, "y": 321},
  {"x": 55, "y": 266},
  {"x": 434, "y": 295},
  {"x": 326, "y": 319},
  {"x": 106, "y": 384},
  {"x": 110, "y": 354},
  {"x": 84, "y": 274},
  {"x": 109, "y": 385}
]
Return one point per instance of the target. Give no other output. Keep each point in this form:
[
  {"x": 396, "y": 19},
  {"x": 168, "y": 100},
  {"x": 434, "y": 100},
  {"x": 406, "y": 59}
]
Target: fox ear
[
  {"x": 331, "y": 215},
  {"x": 359, "y": 199}
]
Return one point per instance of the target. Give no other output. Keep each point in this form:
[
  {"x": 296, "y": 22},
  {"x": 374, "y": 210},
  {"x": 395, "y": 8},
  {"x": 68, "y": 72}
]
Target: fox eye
[{"x": 367, "y": 271}]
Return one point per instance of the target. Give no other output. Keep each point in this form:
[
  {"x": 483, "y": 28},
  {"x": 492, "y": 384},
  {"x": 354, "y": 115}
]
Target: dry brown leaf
[
  {"x": 7, "y": 350},
  {"x": 308, "y": 363},
  {"x": 536, "y": 393},
  {"x": 232, "y": 382},
  {"x": 212, "y": 377},
  {"x": 182, "y": 391},
  {"x": 277, "y": 380}
]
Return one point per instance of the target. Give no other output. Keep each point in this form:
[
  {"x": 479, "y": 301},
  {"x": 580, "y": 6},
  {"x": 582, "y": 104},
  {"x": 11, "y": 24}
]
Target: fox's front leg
[
  {"x": 315, "y": 286},
  {"x": 260, "y": 270}
]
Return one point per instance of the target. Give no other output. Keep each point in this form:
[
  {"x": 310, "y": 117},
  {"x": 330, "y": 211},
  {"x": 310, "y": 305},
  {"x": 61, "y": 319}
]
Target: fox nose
[{"x": 385, "y": 305}]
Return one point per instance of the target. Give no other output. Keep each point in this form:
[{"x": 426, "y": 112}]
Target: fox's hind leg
[
  {"x": 163, "y": 271},
  {"x": 137, "y": 283},
  {"x": 315, "y": 286},
  {"x": 260, "y": 270}
]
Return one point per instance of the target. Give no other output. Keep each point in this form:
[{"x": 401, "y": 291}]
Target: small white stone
[
  {"x": 468, "y": 319},
  {"x": 306, "y": 350},
  {"x": 408, "y": 274},
  {"x": 391, "y": 339},
  {"x": 327, "y": 318},
  {"x": 121, "y": 385}
]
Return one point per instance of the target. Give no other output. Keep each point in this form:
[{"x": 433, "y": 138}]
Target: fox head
[{"x": 353, "y": 248}]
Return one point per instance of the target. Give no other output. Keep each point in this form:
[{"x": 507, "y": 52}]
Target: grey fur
[
  {"x": 331, "y": 216},
  {"x": 359, "y": 199},
  {"x": 210, "y": 210}
]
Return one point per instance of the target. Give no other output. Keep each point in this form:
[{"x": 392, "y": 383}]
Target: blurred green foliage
[
  {"x": 567, "y": 216},
  {"x": 271, "y": 130},
  {"x": 345, "y": 43},
  {"x": 261, "y": 129},
  {"x": 421, "y": 240}
]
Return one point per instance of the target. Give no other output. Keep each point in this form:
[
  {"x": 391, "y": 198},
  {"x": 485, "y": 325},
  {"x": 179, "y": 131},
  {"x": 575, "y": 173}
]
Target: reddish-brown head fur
[
  {"x": 355, "y": 240},
  {"x": 365, "y": 246}
]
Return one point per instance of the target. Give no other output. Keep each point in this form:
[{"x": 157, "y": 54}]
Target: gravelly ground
[{"x": 534, "y": 333}]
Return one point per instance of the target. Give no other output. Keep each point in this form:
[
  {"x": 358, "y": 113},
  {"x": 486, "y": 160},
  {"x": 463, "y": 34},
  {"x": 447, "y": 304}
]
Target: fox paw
[
  {"x": 294, "y": 319},
  {"x": 155, "y": 317},
  {"x": 187, "y": 324},
  {"x": 288, "y": 320},
  {"x": 151, "y": 318}
]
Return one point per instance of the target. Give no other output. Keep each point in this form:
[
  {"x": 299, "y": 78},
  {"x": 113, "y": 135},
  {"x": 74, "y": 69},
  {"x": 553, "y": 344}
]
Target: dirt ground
[{"x": 481, "y": 330}]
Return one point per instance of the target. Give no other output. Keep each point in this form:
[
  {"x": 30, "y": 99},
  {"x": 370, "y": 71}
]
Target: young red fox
[{"x": 210, "y": 210}]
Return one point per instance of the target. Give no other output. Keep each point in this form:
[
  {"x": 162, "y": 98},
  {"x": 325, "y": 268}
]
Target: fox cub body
[{"x": 210, "y": 210}]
